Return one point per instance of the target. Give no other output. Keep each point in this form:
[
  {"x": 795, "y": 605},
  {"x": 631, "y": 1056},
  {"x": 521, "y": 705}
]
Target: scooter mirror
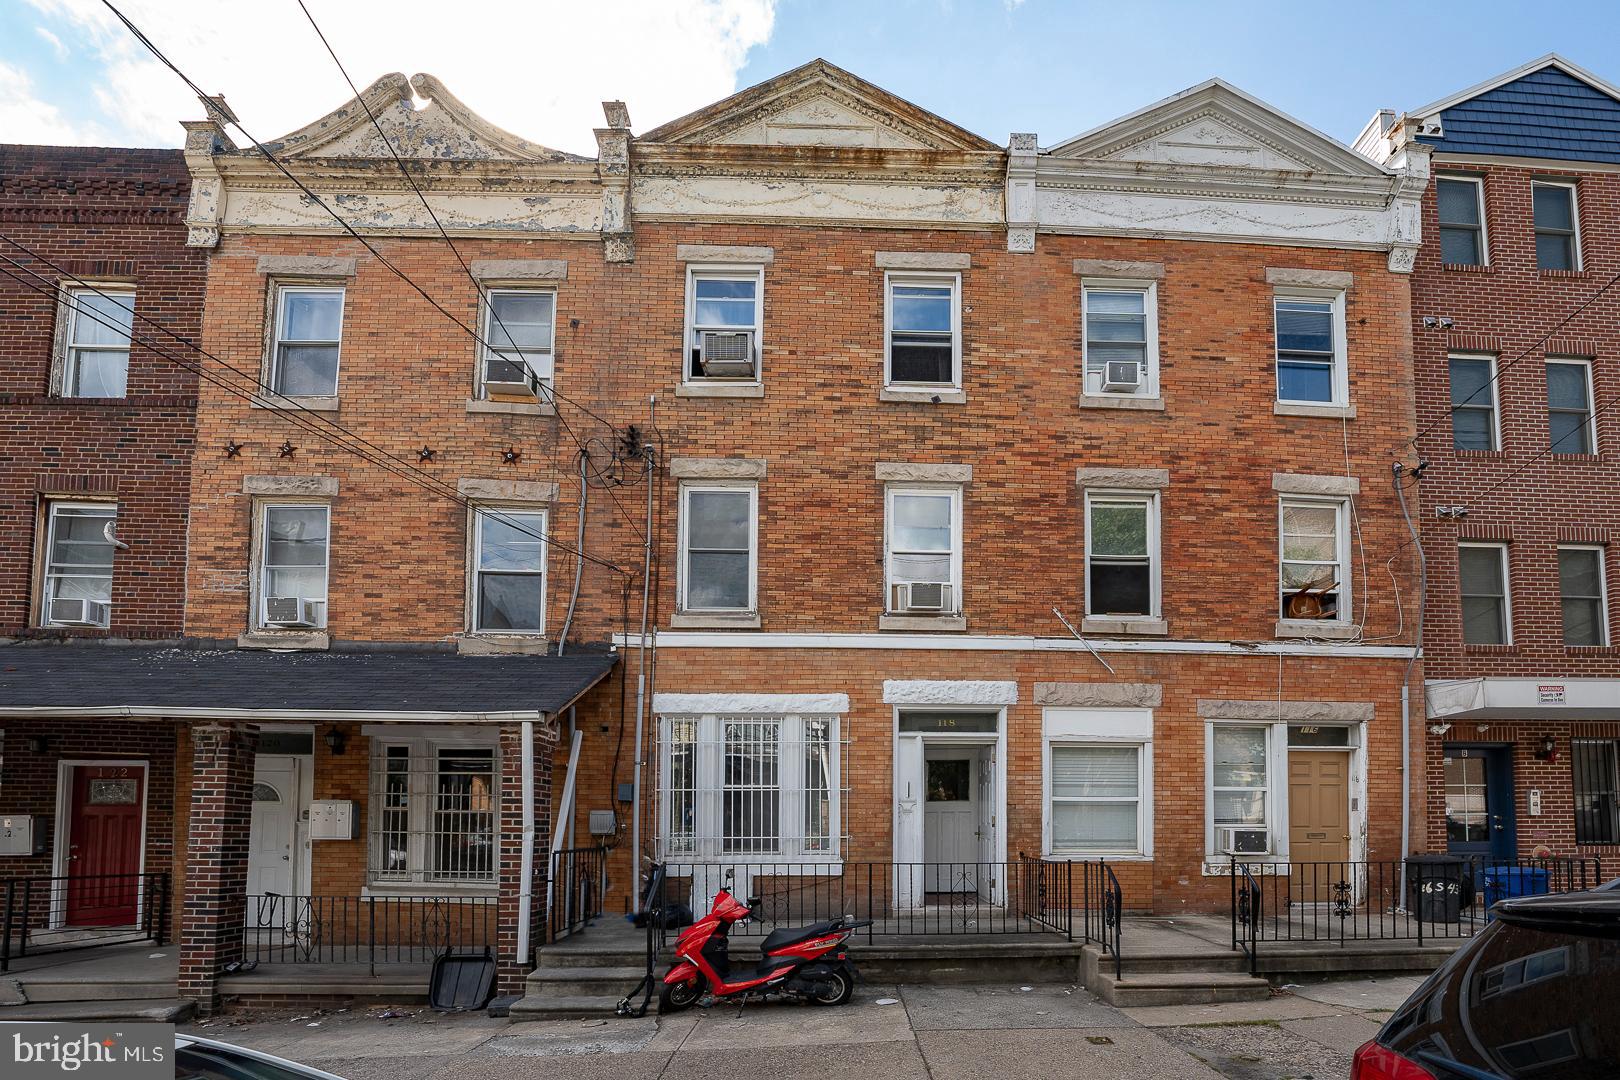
[{"x": 753, "y": 903}]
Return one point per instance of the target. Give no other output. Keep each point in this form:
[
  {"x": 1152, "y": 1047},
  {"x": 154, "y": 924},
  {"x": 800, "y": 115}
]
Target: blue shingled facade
[{"x": 1545, "y": 114}]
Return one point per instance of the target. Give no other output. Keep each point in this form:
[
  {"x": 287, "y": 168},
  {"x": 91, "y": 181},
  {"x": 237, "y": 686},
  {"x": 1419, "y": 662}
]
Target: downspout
[
  {"x": 526, "y": 872},
  {"x": 1406, "y": 680},
  {"x": 641, "y": 671},
  {"x": 579, "y": 558}
]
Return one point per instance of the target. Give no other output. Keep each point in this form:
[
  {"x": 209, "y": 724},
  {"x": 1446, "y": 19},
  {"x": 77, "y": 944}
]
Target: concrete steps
[
  {"x": 41, "y": 986},
  {"x": 612, "y": 982},
  {"x": 153, "y": 1010},
  {"x": 1193, "y": 978}
]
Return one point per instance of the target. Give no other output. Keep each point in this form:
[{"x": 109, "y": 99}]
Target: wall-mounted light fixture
[
  {"x": 336, "y": 741},
  {"x": 1548, "y": 750},
  {"x": 38, "y": 744}
]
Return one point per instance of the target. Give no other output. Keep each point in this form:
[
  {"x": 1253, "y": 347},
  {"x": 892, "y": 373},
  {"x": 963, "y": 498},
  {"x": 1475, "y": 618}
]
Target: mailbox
[
  {"x": 18, "y": 836},
  {"x": 333, "y": 819}
]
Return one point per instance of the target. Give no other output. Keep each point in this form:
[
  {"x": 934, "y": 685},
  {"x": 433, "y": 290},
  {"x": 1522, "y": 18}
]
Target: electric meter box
[
  {"x": 18, "y": 836},
  {"x": 333, "y": 819}
]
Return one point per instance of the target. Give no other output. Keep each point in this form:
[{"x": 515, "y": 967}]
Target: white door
[
  {"x": 271, "y": 850},
  {"x": 951, "y": 823},
  {"x": 986, "y": 824},
  {"x": 909, "y": 782}
]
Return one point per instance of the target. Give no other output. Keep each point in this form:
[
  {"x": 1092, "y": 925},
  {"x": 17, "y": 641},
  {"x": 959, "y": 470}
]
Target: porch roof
[{"x": 208, "y": 683}]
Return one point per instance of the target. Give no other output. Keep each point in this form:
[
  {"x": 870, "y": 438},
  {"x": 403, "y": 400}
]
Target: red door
[{"x": 104, "y": 845}]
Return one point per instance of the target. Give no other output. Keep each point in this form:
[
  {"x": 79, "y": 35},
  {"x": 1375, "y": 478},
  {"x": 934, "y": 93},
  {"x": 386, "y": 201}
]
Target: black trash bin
[{"x": 1438, "y": 887}]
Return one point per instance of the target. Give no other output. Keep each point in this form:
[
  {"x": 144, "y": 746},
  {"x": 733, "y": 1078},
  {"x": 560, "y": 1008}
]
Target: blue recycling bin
[{"x": 1504, "y": 882}]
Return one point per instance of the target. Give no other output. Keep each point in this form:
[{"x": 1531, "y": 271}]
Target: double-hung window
[
  {"x": 98, "y": 332},
  {"x": 308, "y": 335},
  {"x": 1473, "y": 403},
  {"x": 1240, "y": 788},
  {"x": 724, "y": 319},
  {"x": 1569, "y": 406},
  {"x": 923, "y": 335},
  {"x": 1311, "y": 359},
  {"x": 1122, "y": 554},
  {"x": 718, "y": 537},
  {"x": 1596, "y": 767},
  {"x": 1461, "y": 202},
  {"x": 78, "y": 564},
  {"x": 1487, "y": 608},
  {"x": 1315, "y": 559},
  {"x": 293, "y": 560},
  {"x": 1558, "y": 244},
  {"x": 433, "y": 808},
  {"x": 1096, "y": 799},
  {"x": 924, "y": 559},
  {"x": 1583, "y": 594},
  {"x": 1121, "y": 338},
  {"x": 509, "y": 571},
  {"x": 761, "y": 786},
  {"x": 517, "y": 349}
]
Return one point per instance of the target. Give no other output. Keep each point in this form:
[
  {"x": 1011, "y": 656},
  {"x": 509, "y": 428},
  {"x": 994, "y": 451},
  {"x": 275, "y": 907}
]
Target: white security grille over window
[
  {"x": 433, "y": 809},
  {"x": 764, "y": 787},
  {"x": 1239, "y": 776},
  {"x": 518, "y": 328},
  {"x": 1096, "y": 799},
  {"x": 79, "y": 565},
  {"x": 293, "y": 563},
  {"x": 309, "y": 330},
  {"x": 98, "y": 343}
]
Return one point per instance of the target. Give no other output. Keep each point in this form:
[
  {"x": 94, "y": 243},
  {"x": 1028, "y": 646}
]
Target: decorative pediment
[
  {"x": 441, "y": 129},
  {"x": 817, "y": 104}
]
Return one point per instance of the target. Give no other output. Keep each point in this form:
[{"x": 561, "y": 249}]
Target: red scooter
[{"x": 808, "y": 962}]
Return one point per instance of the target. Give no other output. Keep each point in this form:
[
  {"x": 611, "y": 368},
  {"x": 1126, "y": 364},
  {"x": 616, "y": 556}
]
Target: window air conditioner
[
  {"x": 726, "y": 354},
  {"x": 1243, "y": 841},
  {"x": 292, "y": 611},
  {"x": 1122, "y": 376},
  {"x": 526, "y": 386},
  {"x": 79, "y": 612},
  {"x": 931, "y": 597}
]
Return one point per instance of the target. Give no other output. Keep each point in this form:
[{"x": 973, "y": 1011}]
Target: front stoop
[
  {"x": 1171, "y": 979},
  {"x": 148, "y": 1010},
  {"x": 582, "y": 977}
]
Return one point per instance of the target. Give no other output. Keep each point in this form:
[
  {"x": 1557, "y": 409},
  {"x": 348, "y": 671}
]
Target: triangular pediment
[
  {"x": 1217, "y": 126},
  {"x": 818, "y": 104},
  {"x": 441, "y": 129}
]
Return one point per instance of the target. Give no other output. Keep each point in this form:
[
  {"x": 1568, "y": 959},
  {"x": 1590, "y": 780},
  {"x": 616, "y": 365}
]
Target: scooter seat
[{"x": 779, "y": 939}]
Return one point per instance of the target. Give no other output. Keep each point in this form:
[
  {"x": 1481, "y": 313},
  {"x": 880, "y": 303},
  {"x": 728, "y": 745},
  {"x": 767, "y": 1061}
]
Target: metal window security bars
[{"x": 434, "y": 821}]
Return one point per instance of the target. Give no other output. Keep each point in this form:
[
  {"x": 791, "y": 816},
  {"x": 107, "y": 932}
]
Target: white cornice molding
[
  {"x": 751, "y": 704},
  {"x": 947, "y": 643}
]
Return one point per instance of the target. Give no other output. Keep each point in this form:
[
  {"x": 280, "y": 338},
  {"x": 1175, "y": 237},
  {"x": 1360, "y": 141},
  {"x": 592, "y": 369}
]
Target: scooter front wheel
[
  {"x": 674, "y": 997},
  {"x": 836, "y": 989}
]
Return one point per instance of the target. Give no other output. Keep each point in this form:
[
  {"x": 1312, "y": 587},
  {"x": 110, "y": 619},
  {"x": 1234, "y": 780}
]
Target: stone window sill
[
  {"x": 511, "y": 408},
  {"x": 476, "y": 894},
  {"x": 1335, "y": 412},
  {"x": 1326, "y": 629},
  {"x": 503, "y": 644},
  {"x": 1124, "y": 627},
  {"x": 720, "y": 390},
  {"x": 282, "y": 403},
  {"x": 302, "y": 640},
  {"x": 944, "y": 395},
  {"x": 1121, "y": 401},
  {"x": 924, "y": 623},
  {"x": 1572, "y": 275},
  {"x": 714, "y": 620},
  {"x": 1491, "y": 650}
]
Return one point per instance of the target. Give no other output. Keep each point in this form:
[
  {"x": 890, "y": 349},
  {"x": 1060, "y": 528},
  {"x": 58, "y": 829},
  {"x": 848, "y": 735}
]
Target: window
[
  {"x": 1121, "y": 342},
  {"x": 1096, "y": 799},
  {"x": 762, "y": 786},
  {"x": 1596, "y": 765},
  {"x": 1569, "y": 406},
  {"x": 98, "y": 331},
  {"x": 432, "y": 812},
  {"x": 78, "y": 564},
  {"x": 924, "y": 551},
  {"x": 1581, "y": 589},
  {"x": 717, "y": 568},
  {"x": 309, "y": 327},
  {"x": 724, "y": 317},
  {"x": 1557, "y": 238},
  {"x": 1240, "y": 789},
  {"x": 518, "y": 327},
  {"x": 1483, "y": 581},
  {"x": 1315, "y": 581},
  {"x": 1122, "y": 546},
  {"x": 293, "y": 565},
  {"x": 1473, "y": 403},
  {"x": 1462, "y": 220},
  {"x": 509, "y": 571},
  {"x": 1310, "y": 350},
  {"x": 924, "y": 329}
]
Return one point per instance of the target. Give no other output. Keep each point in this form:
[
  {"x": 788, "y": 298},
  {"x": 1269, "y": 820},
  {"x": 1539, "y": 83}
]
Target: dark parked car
[{"x": 1536, "y": 994}]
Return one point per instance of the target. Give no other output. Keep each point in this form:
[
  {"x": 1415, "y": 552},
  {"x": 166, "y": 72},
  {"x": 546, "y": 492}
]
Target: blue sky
[{"x": 994, "y": 66}]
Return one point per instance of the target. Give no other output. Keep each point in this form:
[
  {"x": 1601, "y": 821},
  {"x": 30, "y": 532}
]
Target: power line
[{"x": 1550, "y": 448}]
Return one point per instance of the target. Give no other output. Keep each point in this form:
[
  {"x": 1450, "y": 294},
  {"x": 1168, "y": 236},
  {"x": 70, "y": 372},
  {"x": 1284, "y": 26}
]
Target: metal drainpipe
[
  {"x": 579, "y": 559},
  {"x": 1406, "y": 684},
  {"x": 526, "y": 886},
  {"x": 641, "y": 677}
]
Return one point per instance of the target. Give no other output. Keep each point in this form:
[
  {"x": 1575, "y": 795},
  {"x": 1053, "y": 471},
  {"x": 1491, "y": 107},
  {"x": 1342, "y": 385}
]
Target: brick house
[{"x": 1515, "y": 332}]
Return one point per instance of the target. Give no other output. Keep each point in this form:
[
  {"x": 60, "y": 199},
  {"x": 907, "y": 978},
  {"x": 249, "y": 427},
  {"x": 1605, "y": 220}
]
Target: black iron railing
[
  {"x": 1104, "y": 908},
  {"x": 63, "y": 914},
  {"x": 1247, "y": 906},
  {"x": 1048, "y": 893},
  {"x": 370, "y": 930},
  {"x": 574, "y": 891}
]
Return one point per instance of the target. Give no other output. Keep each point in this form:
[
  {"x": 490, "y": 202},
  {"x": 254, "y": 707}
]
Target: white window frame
[
  {"x": 489, "y": 326},
  {"x": 683, "y": 570},
  {"x": 955, "y": 493},
  {"x": 1275, "y": 829},
  {"x": 283, "y": 290},
  {"x": 52, "y": 508},
  {"x": 1100, "y": 727},
  {"x": 1591, "y": 404},
  {"x": 1574, "y": 218},
  {"x": 708, "y": 792},
  {"x": 1494, "y": 405},
  {"x": 1507, "y": 589},
  {"x": 1341, "y": 353},
  {"x": 475, "y": 600},
  {"x": 261, "y": 549},
  {"x": 1150, "y": 313},
  {"x": 723, "y": 272},
  {"x": 1479, "y": 201},
  {"x": 1149, "y": 499},
  {"x": 1341, "y": 507},
  {"x": 1601, "y": 553},
  {"x": 71, "y": 349},
  {"x": 893, "y": 278},
  {"x": 423, "y": 763}
]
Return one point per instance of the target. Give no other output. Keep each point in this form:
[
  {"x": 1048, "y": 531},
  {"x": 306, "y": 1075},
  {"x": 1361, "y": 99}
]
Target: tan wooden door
[{"x": 1318, "y": 822}]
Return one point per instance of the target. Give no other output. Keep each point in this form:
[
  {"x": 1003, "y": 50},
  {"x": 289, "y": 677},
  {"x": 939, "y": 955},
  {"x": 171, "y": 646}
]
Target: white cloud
[
  {"x": 26, "y": 119},
  {"x": 53, "y": 41},
  {"x": 538, "y": 70}
]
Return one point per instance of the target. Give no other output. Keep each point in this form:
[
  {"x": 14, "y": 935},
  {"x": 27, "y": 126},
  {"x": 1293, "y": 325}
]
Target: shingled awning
[{"x": 195, "y": 683}]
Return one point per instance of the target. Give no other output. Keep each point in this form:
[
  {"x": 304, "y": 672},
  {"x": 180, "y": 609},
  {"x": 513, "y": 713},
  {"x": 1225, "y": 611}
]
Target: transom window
[
  {"x": 432, "y": 816},
  {"x": 1121, "y": 342},
  {"x": 1596, "y": 767},
  {"x": 1096, "y": 799},
  {"x": 1583, "y": 594},
  {"x": 924, "y": 551},
  {"x": 1473, "y": 403},
  {"x": 1122, "y": 547},
  {"x": 718, "y": 535},
  {"x": 1569, "y": 406},
  {"x": 1461, "y": 203},
  {"x": 1482, "y": 576},
  {"x": 1310, "y": 350},
  {"x": 1240, "y": 788},
  {"x": 99, "y": 325},
  {"x": 308, "y": 334},
  {"x": 293, "y": 565},
  {"x": 1557, "y": 239},
  {"x": 1315, "y": 582},
  {"x": 518, "y": 329},
  {"x": 78, "y": 564},
  {"x": 923, "y": 339},
  {"x": 509, "y": 571},
  {"x": 724, "y": 319}
]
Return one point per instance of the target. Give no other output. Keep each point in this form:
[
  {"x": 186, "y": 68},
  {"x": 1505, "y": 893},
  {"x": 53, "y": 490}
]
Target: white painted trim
[
  {"x": 1602, "y": 554},
  {"x": 1574, "y": 215},
  {"x": 926, "y": 278},
  {"x": 945, "y": 692},
  {"x": 761, "y": 704},
  {"x": 1591, "y": 401},
  {"x": 1540, "y": 62},
  {"x": 997, "y": 741},
  {"x": 1341, "y": 345},
  {"x": 61, "y": 834},
  {"x": 1495, "y": 404},
  {"x": 683, "y": 574},
  {"x": 1100, "y": 727},
  {"x": 475, "y": 594},
  {"x": 1149, "y": 289},
  {"x": 1152, "y": 619},
  {"x": 987, "y": 643},
  {"x": 1506, "y": 565},
  {"x": 1484, "y": 226},
  {"x": 954, "y": 492},
  {"x": 1345, "y": 615},
  {"x": 716, "y": 271}
]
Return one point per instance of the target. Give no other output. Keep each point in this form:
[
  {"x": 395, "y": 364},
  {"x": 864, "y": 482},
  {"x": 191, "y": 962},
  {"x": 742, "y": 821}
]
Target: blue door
[{"x": 1479, "y": 801}]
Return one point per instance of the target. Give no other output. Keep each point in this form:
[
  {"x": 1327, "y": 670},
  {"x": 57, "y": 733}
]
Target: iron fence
[
  {"x": 370, "y": 930},
  {"x": 64, "y": 914},
  {"x": 578, "y": 878}
]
